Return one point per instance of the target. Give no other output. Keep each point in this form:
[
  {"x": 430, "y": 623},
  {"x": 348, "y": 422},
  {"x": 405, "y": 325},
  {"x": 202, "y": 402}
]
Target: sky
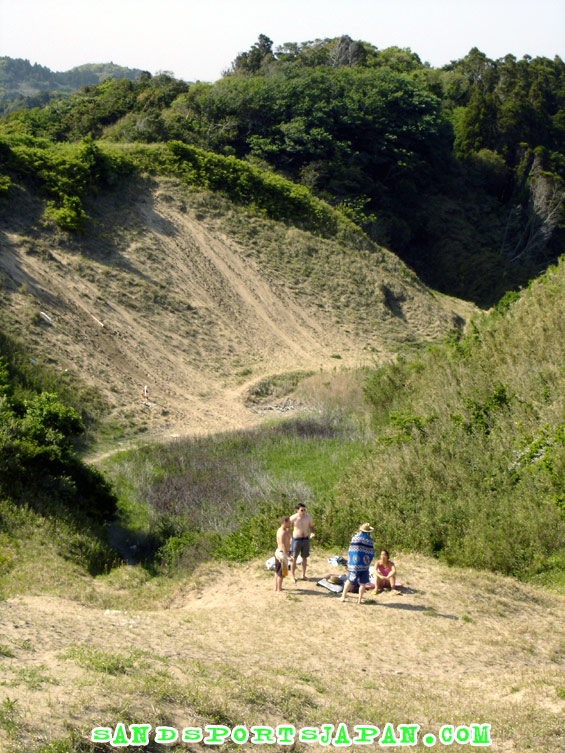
[{"x": 198, "y": 39}]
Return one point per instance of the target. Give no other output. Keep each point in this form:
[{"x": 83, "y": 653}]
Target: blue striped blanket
[{"x": 361, "y": 552}]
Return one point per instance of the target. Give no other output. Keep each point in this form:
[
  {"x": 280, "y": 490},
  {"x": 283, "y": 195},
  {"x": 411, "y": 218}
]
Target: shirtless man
[
  {"x": 301, "y": 535},
  {"x": 282, "y": 555}
]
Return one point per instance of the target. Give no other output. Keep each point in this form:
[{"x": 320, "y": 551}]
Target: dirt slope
[
  {"x": 224, "y": 648},
  {"x": 153, "y": 294}
]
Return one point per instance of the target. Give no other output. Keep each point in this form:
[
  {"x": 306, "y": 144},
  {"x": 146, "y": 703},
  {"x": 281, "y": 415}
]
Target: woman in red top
[{"x": 385, "y": 572}]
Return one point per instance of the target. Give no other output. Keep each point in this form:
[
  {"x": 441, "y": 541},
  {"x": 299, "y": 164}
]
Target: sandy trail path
[
  {"x": 152, "y": 295},
  {"x": 224, "y": 646}
]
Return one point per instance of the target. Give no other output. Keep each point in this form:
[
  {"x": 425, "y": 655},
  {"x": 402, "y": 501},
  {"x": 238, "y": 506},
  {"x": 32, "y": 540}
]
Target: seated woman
[{"x": 385, "y": 572}]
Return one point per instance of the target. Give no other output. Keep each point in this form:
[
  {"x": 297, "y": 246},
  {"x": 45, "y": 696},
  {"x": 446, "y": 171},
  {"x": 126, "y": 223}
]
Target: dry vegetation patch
[{"x": 458, "y": 647}]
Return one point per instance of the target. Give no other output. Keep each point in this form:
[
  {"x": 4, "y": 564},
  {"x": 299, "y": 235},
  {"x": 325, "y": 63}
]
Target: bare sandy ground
[
  {"x": 222, "y": 647},
  {"x": 151, "y": 296}
]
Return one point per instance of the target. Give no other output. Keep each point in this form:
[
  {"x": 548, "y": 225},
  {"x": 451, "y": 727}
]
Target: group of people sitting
[{"x": 360, "y": 555}]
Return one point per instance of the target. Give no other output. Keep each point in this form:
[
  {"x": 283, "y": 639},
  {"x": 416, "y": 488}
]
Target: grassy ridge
[
  {"x": 470, "y": 461},
  {"x": 46, "y": 493}
]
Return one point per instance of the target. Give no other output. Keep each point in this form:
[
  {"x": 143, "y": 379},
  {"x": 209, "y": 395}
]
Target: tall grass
[
  {"x": 223, "y": 495},
  {"x": 470, "y": 461},
  {"x": 41, "y": 553}
]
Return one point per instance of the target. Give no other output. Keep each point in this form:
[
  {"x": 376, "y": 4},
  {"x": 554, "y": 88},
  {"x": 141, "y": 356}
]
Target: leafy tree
[
  {"x": 476, "y": 128},
  {"x": 252, "y": 61}
]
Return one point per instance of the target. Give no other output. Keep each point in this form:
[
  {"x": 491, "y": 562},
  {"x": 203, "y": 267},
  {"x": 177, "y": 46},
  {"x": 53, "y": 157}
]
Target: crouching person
[{"x": 385, "y": 572}]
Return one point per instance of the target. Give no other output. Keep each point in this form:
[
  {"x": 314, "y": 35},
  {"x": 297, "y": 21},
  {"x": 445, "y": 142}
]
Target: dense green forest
[{"x": 459, "y": 170}]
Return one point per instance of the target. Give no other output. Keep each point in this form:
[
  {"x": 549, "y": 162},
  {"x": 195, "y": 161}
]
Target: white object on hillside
[{"x": 97, "y": 320}]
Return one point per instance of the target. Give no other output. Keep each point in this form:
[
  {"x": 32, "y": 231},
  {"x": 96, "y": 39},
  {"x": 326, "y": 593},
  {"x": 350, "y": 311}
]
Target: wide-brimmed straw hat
[{"x": 366, "y": 527}]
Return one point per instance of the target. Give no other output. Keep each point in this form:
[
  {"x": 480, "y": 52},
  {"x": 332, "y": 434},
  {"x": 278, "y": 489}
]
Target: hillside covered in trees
[
  {"x": 458, "y": 170},
  {"x": 26, "y": 85}
]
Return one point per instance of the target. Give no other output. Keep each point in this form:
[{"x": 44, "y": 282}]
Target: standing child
[{"x": 282, "y": 553}]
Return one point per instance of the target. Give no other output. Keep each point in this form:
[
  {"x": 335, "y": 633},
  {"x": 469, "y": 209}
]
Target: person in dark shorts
[
  {"x": 360, "y": 555},
  {"x": 302, "y": 533}
]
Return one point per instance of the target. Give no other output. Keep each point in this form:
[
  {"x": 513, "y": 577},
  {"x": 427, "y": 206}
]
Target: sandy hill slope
[
  {"x": 223, "y": 648},
  {"x": 195, "y": 299}
]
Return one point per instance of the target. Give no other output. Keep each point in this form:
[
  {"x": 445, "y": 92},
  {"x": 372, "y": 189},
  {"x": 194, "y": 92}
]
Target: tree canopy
[{"x": 459, "y": 170}]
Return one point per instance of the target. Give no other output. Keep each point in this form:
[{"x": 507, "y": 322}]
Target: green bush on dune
[
  {"x": 40, "y": 471},
  {"x": 66, "y": 173}
]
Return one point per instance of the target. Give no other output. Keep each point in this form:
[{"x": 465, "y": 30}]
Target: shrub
[
  {"x": 278, "y": 198},
  {"x": 70, "y": 215},
  {"x": 37, "y": 463}
]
